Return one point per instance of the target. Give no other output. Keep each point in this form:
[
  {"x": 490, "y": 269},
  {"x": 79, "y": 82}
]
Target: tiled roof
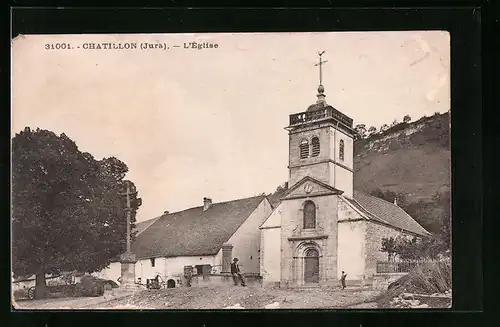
[
  {"x": 386, "y": 212},
  {"x": 194, "y": 232},
  {"x": 142, "y": 225},
  {"x": 139, "y": 228},
  {"x": 382, "y": 211}
]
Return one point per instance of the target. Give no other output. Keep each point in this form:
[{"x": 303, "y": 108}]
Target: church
[
  {"x": 319, "y": 228},
  {"x": 322, "y": 226}
]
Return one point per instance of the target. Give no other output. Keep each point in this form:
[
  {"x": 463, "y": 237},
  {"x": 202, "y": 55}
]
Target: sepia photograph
[{"x": 235, "y": 171}]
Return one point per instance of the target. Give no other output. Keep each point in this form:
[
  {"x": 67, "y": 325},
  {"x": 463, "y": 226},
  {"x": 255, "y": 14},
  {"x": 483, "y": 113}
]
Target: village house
[
  {"x": 322, "y": 226},
  {"x": 206, "y": 238}
]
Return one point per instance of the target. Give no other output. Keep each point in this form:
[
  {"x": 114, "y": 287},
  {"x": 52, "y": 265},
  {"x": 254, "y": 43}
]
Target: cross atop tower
[{"x": 320, "y": 64}]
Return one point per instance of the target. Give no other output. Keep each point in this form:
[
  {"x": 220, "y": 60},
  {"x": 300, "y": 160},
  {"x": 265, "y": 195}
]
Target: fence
[{"x": 384, "y": 267}]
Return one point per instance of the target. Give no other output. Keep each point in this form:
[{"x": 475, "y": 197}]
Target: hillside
[{"x": 413, "y": 159}]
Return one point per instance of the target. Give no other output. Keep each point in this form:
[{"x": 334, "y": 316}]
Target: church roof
[
  {"x": 381, "y": 211},
  {"x": 386, "y": 212},
  {"x": 194, "y": 232}
]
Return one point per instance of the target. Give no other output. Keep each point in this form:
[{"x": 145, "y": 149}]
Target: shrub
[
  {"x": 427, "y": 278},
  {"x": 90, "y": 287},
  {"x": 63, "y": 290},
  {"x": 21, "y": 294}
]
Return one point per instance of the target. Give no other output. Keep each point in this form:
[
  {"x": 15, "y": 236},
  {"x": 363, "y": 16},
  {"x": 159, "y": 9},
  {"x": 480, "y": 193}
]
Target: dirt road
[
  {"x": 215, "y": 298},
  {"x": 246, "y": 297},
  {"x": 73, "y": 302}
]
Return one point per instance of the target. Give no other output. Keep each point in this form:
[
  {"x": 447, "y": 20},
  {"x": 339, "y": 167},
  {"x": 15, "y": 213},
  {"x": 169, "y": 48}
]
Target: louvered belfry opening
[
  {"x": 341, "y": 150},
  {"x": 304, "y": 149},
  {"x": 315, "y": 147}
]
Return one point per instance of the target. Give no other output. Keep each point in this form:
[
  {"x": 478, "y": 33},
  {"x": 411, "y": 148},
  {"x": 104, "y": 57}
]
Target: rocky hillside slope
[{"x": 413, "y": 159}]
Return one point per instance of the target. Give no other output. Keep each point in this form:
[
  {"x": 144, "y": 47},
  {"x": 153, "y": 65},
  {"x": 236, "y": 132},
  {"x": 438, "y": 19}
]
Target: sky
[{"x": 193, "y": 123}]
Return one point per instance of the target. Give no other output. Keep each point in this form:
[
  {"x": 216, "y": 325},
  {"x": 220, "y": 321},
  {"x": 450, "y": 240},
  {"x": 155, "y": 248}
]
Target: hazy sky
[{"x": 194, "y": 123}]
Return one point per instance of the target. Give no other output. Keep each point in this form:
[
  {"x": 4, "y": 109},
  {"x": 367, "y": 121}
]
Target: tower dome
[{"x": 321, "y": 102}]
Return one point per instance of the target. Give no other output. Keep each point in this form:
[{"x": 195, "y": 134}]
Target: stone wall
[
  {"x": 382, "y": 281},
  {"x": 167, "y": 268},
  {"x": 374, "y": 234},
  {"x": 224, "y": 280},
  {"x": 23, "y": 284}
]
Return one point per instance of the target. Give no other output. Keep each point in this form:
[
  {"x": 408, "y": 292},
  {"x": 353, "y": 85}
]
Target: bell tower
[{"x": 321, "y": 144}]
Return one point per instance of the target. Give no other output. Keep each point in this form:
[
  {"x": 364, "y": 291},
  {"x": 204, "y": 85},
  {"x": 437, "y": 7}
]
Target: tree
[
  {"x": 372, "y": 130},
  {"x": 418, "y": 248},
  {"x": 406, "y": 119},
  {"x": 389, "y": 247},
  {"x": 360, "y": 130},
  {"x": 394, "y": 123},
  {"x": 442, "y": 199},
  {"x": 433, "y": 215},
  {"x": 274, "y": 198},
  {"x": 383, "y": 128},
  {"x": 67, "y": 209}
]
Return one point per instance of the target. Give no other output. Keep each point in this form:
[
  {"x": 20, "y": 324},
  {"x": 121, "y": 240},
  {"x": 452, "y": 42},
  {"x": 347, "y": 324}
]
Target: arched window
[
  {"x": 341, "y": 150},
  {"x": 315, "y": 147},
  {"x": 304, "y": 149},
  {"x": 309, "y": 215}
]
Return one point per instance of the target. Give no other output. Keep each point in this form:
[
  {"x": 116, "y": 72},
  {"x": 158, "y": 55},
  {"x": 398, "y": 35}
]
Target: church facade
[{"x": 322, "y": 226}]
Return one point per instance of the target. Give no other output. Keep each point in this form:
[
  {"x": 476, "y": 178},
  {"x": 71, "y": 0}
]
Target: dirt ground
[
  {"x": 246, "y": 297},
  {"x": 71, "y": 302},
  {"x": 219, "y": 298}
]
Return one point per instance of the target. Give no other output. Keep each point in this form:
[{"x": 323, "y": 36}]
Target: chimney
[
  {"x": 206, "y": 203},
  {"x": 395, "y": 202}
]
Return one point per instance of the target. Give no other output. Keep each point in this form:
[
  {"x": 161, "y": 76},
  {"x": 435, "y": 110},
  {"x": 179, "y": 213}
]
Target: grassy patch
[{"x": 427, "y": 278}]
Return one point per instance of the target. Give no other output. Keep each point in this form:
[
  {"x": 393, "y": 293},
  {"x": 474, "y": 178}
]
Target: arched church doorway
[
  {"x": 311, "y": 266},
  {"x": 170, "y": 283}
]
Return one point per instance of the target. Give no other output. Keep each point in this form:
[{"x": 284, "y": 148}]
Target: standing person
[
  {"x": 236, "y": 272},
  {"x": 189, "y": 277},
  {"x": 342, "y": 279}
]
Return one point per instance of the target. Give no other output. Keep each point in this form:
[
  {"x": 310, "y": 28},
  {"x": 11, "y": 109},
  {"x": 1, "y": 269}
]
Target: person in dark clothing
[
  {"x": 189, "y": 276},
  {"x": 236, "y": 272},
  {"x": 342, "y": 279}
]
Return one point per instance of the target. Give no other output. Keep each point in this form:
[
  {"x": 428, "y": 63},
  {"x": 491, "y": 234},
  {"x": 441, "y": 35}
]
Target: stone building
[
  {"x": 206, "y": 238},
  {"x": 322, "y": 226}
]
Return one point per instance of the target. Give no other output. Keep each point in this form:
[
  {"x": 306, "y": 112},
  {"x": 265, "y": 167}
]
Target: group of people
[{"x": 238, "y": 276}]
